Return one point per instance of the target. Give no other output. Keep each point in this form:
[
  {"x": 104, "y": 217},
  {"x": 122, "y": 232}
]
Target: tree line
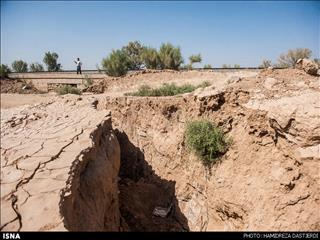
[
  {"x": 49, "y": 59},
  {"x": 135, "y": 56}
]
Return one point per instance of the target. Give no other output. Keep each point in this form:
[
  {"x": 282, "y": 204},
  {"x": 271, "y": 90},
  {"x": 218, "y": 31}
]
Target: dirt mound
[
  {"x": 17, "y": 86},
  {"x": 266, "y": 180},
  {"x": 155, "y": 78},
  {"x": 308, "y": 66},
  {"x": 286, "y": 74}
]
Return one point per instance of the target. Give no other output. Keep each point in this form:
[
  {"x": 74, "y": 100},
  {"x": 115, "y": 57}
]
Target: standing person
[{"x": 78, "y": 65}]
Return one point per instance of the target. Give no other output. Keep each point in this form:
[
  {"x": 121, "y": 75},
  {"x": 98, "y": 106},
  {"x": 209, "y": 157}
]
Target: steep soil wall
[{"x": 268, "y": 179}]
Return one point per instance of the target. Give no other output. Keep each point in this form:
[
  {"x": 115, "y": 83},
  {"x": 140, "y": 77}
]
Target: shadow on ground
[{"x": 141, "y": 191}]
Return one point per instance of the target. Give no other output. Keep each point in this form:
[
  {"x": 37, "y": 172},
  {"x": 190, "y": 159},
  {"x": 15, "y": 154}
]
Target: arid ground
[{"x": 117, "y": 161}]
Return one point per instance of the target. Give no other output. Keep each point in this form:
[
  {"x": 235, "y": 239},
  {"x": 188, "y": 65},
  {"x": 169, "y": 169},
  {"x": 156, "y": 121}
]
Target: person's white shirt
[{"x": 78, "y": 63}]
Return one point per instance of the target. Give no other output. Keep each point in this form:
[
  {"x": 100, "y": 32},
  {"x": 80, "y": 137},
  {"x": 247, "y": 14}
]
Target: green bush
[
  {"x": 166, "y": 90},
  {"x": 4, "y": 71},
  {"x": 150, "y": 58},
  {"x": 116, "y": 64},
  {"x": 65, "y": 89},
  {"x": 207, "y": 66},
  {"x": 134, "y": 52},
  {"x": 206, "y": 140},
  {"x": 170, "y": 56},
  {"x": 19, "y": 66},
  {"x": 51, "y": 60},
  {"x": 236, "y": 66},
  {"x": 226, "y": 66},
  {"x": 36, "y": 67},
  {"x": 194, "y": 59}
]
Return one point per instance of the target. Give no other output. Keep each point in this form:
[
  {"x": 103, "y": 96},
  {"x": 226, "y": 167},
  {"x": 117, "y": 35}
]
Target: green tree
[
  {"x": 19, "y": 66},
  {"x": 116, "y": 64},
  {"x": 265, "y": 64},
  {"x": 150, "y": 58},
  {"x": 51, "y": 61},
  {"x": 170, "y": 56},
  {"x": 134, "y": 51},
  {"x": 36, "y": 67},
  {"x": 290, "y": 58},
  {"x": 226, "y": 66},
  {"x": 195, "y": 59},
  {"x": 4, "y": 71},
  {"x": 207, "y": 66}
]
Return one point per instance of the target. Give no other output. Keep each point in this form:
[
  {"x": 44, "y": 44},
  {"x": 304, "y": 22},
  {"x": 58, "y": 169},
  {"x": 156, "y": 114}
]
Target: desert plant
[
  {"x": 36, "y": 67},
  {"x": 51, "y": 61},
  {"x": 290, "y": 58},
  {"x": 150, "y": 58},
  {"x": 134, "y": 52},
  {"x": 65, "y": 89},
  {"x": 226, "y": 66},
  {"x": 4, "y": 71},
  {"x": 265, "y": 63},
  {"x": 207, "y": 66},
  {"x": 166, "y": 90},
  {"x": 236, "y": 66},
  {"x": 206, "y": 140},
  {"x": 195, "y": 59},
  {"x": 204, "y": 84},
  {"x": 170, "y": 56},
  {"x": 19, "y": 66},
  {"x": 116, "y": 64},
  {"x": 87, "y": 81}
]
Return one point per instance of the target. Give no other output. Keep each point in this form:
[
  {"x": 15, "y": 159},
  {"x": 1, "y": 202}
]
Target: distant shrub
[
  {"x": 19, "y": 66},
  {"x": 236, "y": 66},
  {"x": 207, "y": 66},
  {"x": 134, "y": 53},
  {"x": 226, "y": 66},
  {"x": 204, "y": 84},
  {"x": 150, "y": 58},
  {"x": 206, "y": 140},
  {"x": 166, "y": 90},
  {"x": 65, "y": 89},
  {"x": 194, "y": 59},
  {"x": 116, "y": 64},
  {"x": 290, "y": 58},
  {"x": 36, "y": 67},
  {"x": 4, "y": 71},
  {"x": 51, "y": 61},
  {"x": 170, "y": 56},
  {"x": 265, "y": 64}
]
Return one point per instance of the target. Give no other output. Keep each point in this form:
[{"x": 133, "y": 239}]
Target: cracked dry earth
[
  {"x": 68, "y": 166},
  {"x": 43, "y": 148}
]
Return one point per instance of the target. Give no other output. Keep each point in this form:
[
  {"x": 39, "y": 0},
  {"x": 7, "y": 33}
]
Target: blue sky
[{"x": 229, "y": 32}]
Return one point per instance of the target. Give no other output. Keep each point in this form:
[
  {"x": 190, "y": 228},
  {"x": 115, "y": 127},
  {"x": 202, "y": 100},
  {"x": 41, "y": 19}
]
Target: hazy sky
[{"x": 223, "y": 32}]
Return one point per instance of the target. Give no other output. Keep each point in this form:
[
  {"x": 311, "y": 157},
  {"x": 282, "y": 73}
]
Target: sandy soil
[
  {"x": 61, "y": 158},
  {"x": 9, "y": 100}
]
